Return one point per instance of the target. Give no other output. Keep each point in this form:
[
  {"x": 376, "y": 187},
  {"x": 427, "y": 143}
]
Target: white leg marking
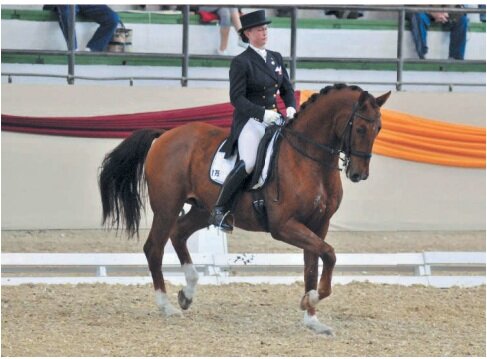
[
  {"x": 312, "y": 322},
  {"x": 313, "y": 298},
  {"x": 309, "y": 300},
  {"x": 191, "y": 280},
  {"x": 164, "y": 305}
]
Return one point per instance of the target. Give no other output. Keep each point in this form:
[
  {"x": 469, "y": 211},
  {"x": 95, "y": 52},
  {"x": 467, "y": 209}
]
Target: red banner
[{"x": 119, "y": 126}]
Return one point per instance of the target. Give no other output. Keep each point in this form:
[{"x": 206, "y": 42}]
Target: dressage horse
[{"x": 339, "y": 123}]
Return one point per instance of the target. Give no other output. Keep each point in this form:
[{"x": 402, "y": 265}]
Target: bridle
[
  {"x": 344, "y": 148},
  {"x": 346, "y": 143}
]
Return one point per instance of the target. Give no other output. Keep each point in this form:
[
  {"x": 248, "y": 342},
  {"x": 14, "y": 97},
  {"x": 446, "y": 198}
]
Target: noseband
[{"x": 345, "y": 147}]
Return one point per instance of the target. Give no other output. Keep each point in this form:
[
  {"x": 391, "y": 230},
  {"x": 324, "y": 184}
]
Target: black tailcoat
[{"x": 254, "y": 87}]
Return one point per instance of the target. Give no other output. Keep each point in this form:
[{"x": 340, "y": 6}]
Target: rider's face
[{"x": 257, "y": 36}]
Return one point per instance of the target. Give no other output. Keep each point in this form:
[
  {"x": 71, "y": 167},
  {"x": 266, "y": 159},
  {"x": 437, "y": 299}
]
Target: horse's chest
[
  {"x": 313, "y": 200},
  {"x": 324, "y": 205},
  {"x": 320, "y": 204}
]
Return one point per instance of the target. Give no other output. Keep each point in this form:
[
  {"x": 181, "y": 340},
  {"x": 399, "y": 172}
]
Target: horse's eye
[{"x": 361, "y": 130}]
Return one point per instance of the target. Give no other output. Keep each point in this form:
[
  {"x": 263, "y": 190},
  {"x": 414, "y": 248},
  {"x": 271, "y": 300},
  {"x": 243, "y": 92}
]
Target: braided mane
[{"x": 325, "y": 91}]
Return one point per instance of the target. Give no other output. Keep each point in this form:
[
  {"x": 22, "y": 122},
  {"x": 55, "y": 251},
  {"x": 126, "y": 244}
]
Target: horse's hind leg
[
  {"x": 195, "y": 219},
  {"x": 154, "y": 251}
]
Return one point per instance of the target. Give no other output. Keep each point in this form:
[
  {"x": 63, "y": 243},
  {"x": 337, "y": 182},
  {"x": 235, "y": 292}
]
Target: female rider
[{"x": 257, "y": 76}]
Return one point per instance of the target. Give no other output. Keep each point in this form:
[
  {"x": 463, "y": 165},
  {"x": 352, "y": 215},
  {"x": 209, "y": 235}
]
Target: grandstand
[{"x": 327, "y": 50}]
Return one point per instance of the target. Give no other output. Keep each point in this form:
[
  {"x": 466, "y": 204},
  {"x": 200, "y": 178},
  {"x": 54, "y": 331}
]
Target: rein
[
  {"x": 345, "y": 149},
  {"x": 326, "y": 148}
]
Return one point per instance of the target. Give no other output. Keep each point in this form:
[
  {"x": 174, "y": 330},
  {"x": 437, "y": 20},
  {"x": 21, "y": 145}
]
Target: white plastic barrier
[{"x": 216, "y": 268}]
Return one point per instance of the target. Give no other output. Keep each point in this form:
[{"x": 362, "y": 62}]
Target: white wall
[
  {"x": 404, "y": 195},
  {"x": 51, "y": 181}
]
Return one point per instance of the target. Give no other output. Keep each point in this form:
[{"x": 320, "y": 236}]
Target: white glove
[
  {"x": 290, "y": 112},
  {"x": 271, "y": 117}
]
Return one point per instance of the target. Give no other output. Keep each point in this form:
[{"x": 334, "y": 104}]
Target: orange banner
[{"x": 414, "y": 138}]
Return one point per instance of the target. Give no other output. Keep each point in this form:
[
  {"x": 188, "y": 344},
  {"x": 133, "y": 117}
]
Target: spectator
[
  {"x": 227, "y": 16},
  {"x": 341, "y": 14},
  {"x": 482, "y": 14},
  {"x": 455, "y": 22},
  {"x": 283, "y": 12},
  {"x": 101, "y": 14}
]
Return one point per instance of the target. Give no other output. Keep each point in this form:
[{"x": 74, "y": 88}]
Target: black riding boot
[{"x": 232, "y": 183}]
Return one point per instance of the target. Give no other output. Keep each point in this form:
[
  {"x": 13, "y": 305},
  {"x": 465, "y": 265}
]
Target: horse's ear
[
  {"x": 382, "y": 99},
  {"x": 363, "y": 97}
]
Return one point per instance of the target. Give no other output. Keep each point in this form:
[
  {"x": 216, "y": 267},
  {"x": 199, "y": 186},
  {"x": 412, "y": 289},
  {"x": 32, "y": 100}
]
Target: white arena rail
[{"x": 406, "y": 268}]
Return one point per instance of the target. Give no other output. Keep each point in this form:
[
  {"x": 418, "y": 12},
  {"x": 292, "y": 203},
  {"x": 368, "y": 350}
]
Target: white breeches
[{"x": 248, "y": 142}]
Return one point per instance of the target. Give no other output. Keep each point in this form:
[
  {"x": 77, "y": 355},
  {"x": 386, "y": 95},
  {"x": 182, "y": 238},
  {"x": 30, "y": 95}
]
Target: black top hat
[{"x": 253, "y": 19}]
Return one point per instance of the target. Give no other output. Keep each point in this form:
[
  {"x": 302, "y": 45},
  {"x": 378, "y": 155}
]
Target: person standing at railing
[
  {"x": 455, "y": 22},
  {"x": 482, "y": 14},
  {"x": 101, "y": 14},
  {"x": 226, "y": 17},
  {"x": 257, "y": 77}
]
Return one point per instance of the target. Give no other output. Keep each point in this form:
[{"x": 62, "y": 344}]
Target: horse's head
[
  {"x": 361, "y": 124},
  {"x": 347, "y": 118}
]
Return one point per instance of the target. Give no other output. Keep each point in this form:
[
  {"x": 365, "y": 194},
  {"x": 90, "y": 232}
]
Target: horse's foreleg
[
  {"x": 311, "y": 297},
  {"x": 329, "y": 260},
  {"x": 188, "y": 224},
  {"x": 154, "y": 251},
  {"x": 297, "y": 234}
]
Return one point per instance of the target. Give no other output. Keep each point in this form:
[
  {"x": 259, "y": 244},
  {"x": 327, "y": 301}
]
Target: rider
[{"x": 257, "y": 76}]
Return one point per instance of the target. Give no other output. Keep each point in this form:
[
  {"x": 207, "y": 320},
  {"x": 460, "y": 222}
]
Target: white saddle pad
[{"x": 221, "y": 166}]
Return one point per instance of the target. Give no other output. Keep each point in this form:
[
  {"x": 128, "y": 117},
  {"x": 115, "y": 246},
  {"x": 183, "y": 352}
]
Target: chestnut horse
[{"x": 340, "y": 120}]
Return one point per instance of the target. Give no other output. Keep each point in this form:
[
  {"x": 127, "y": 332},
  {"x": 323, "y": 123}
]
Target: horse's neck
[{"x": 317, "y": 124}]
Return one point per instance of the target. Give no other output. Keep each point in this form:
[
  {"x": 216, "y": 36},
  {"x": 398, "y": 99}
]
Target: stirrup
[
  {"x": 225, "y": 226},
  {"x": 217, "y": 219}
]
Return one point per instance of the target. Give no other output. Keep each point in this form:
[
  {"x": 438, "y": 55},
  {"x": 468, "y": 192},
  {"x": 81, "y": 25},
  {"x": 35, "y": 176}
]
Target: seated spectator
[
  {"x": 455, "y": 22},
  {"x": 340, "y": 14},
  {"x": 227, "y": 16},
  {"x": 101, "y": 14},
  {"x": 283, "y": 12}
]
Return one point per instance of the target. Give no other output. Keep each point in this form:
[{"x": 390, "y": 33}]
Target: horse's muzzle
[{"x": 357, "y": 177}]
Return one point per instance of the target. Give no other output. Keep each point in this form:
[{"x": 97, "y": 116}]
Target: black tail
[{"x": 121, "y": 180}]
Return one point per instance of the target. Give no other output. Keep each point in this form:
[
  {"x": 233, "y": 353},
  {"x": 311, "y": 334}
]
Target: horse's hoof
[
  {"x": 171, "y": 311},
  {"x": 184, "y": 302},
  {"x": 315, "y": 325},
  {"x": 325, "y": 330},
  {"x": 320, "y": 328}
]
